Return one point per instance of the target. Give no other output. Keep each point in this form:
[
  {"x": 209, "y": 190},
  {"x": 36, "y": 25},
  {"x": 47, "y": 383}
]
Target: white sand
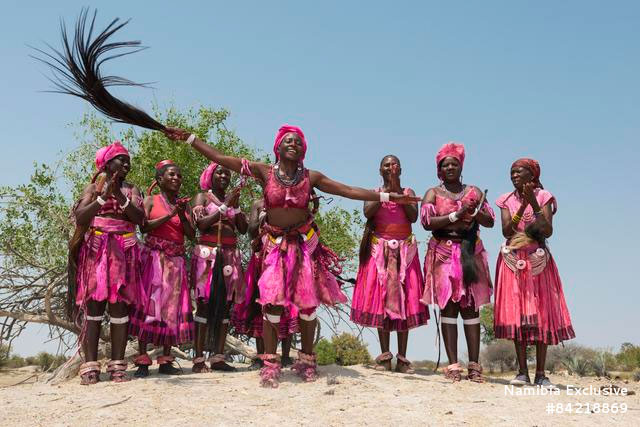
[{"x": 361, "y": 397}]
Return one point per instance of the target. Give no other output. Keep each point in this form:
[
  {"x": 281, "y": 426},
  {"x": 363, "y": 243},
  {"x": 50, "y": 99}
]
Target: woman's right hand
[
  {"x": 233, "y": 198},
  {"x": 176, "y": 134},
  {"x": 403, "y": 199}
]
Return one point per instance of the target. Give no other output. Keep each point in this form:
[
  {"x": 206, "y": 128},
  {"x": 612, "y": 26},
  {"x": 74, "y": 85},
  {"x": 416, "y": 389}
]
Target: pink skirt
[
  {"x": 109, "y": 264},
  {"x": 202, "y": 262},
  {"x": 296, "y": 273},
  {"x": 443, "y": 276},
  {"x": 163, "y": 314},
  {"x": 390, "y": 301},
  {"x": 530, "y": 305},
  {"x": 241, "y": 313}
]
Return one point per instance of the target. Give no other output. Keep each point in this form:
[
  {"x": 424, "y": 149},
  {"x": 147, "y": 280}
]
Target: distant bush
[
  {"x": 559, "y": 356},
  {"x": 15, "y": 362},
  {"x": 4, "y": 354},
  {"x": 629, "y": 357},
  {"x": 350, "y": 350},
  {"x": 424, "y": 364},
  {"x": 325, "y": 352},
  {"x": 577, "y": 365},
  {"x": 499, "y": 355}
]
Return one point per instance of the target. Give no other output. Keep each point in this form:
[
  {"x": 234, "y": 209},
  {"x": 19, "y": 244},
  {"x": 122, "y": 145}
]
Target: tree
[
  {"x": 486, "y": 323},
  {"x": 35, "y": 221}
]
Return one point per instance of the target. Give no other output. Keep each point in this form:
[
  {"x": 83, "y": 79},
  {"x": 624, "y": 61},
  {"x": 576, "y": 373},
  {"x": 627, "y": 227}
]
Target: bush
[
  {"x": 629, "y": 356},
  {"x": 577, "y": 365},
  {"x": 501, "y": 355},
  {"x": 559, "y": 356},
  {"x": 603, "y": 363},
  {"x": 15, "y": 362},
  {"x": 350, "y": 350},
  {"x": 4, "y": 354},
  {"x": 325, "y": 352}
]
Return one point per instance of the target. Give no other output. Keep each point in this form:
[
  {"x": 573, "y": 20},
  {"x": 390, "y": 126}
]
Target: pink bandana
[
  {"x": 285, "y": 129},
  {"x": 450, "y": 149},
  {"x": 104, "y": 154},
  {"x": 207, "y": 174}
]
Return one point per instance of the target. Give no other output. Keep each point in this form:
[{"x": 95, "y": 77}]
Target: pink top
[
  {"x": 445, "y": 205},
  {"x": 513, "y": 202},
  {"x": 170, "y": 230},
  {"x": 391, "y": 220},
  {"x": 277, "y": 195}
]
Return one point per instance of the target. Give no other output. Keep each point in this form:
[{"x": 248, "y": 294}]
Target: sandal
[
  {"x": 270, "y": 373},
  {"x": 218, "y": 363},
  {"x": 453, "y": 372},
  {"x": 118, "y": 371},
  {"x": 474, "y": 372},
  {"x": 403, "y": 365},
  {"x": 166, "y": 366},
  {"x": 89, "y": 373},
  {"x": 383, "y": 362},
  {"x": 306, "y": 367},
  {"x": 199, "y": 367},
  {"x": 142, "y": 361}
]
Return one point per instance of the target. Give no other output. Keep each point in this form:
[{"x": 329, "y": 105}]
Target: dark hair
[
  {"x": 467, "y": 252},
  {"x": 365, "y": 243},
  {"x": 390, "y": 155}
]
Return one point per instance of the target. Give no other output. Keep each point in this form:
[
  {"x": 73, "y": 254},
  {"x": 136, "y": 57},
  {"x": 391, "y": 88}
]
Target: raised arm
[
  {"x": 411, "y": 210},
  {"x": 88, "y": 206},
  {"x": 259, "y": 170},
  {"x": 330, "y": 186}
]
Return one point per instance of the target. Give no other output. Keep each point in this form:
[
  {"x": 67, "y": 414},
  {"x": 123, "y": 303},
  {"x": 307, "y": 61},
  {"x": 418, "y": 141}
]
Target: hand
[
  {"x": 233, "y": 198},
  {"x": 404, "y": 199},
  {"x": 466, "y": 210},
  {"x": 176, "y": 134},
  {"x": 107, "y": 189},
  {"x": 527, "y": 192}
]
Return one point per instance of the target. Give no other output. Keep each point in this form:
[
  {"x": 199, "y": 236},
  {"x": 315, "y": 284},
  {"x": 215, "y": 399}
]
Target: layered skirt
[
  {"x": 530, "y": 304},
  {"x": 203, "y": 262},
  {"x": 389, "y": 286},
  {"x": 443, "y": 276},
  {"x": 163, "y": 315},
  {"x": 109, "y": 263}
]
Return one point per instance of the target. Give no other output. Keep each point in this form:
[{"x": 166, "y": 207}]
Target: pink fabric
[
  {"x": 202, "y": 262},
  {"x": 206, "y": 175},
  {"x": 443, "y": 276},
  {"x": 104, "y": 154},
  {"x": 163, "y": 312},
  {"x": 531, "y": 307},
  {"x": 512, "y": 202},
  {"x": 171, "y": 230},
  {"x": 450, "y": 149},
  {"x": 389, "y": 285},
  {"x": 241, "y": 312},
  {"x": 113, "y": 207},
  {"x": 109, "y": 263},
  {"x": 285, "y": 129},
  {"x": 444, "y": 206},
  {"x": 277, "y": 195},
  {"x": 297, "y": 274}
]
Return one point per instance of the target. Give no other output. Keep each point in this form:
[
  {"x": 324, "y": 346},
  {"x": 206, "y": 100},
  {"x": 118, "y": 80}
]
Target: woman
[
  {"x": 217, "y": 215},
  {"x": 530, "y": 307},
  {"x": 163, "y": 314},
  {"x": 456, "y": 271},
  {"x": 389, "y": 282},
  {"x": 295, "y": 267},
  {"x": 108, "y": 263},
  {"x": 247, "y": 316}
]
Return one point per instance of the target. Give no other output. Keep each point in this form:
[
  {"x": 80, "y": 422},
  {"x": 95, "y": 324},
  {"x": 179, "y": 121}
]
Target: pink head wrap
[
  {"x": 450, "y": 149},
  {"x": 104, "y": 154},
  {"x": 205, "y": 177},
  {"x": 285, "y": 129},
  {"x": 533, "y": 166}
]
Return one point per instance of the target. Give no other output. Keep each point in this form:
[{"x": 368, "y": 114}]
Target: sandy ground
[{"x": 361, "y": 396}]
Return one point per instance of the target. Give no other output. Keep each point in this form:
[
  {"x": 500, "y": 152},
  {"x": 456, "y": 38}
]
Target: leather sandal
[
  {"x": 89, "y": 373},
  {"x": 218, "y": 363},
  {"x": 383, "y": 362},
  {"x": 474, "y": 372},
  {"x": 118, "y": 371},
  {"x": 403, "y": 365},
  {"x": 453, "y": 372},
  {"x": 199, "y": 366}
]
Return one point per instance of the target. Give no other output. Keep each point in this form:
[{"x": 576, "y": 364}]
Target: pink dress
[
  {"x": 442, "y": 264},
  {"x": 529, "y": 305},
  {"x": 296, "y": 267},
  {"x": 109, "y": 258},
  {"x": 203, "y": 258},
  {"x": 163, "y": 314},
  {"x": 389, "y": 285}
]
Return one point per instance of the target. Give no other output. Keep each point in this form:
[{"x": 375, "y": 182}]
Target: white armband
[
  {"x": 100, "y": 201},
  {"x": 384, "y": 197},
  {"x": 223, "y": 209},
  {"x": 453, "y": 217},
  {"x": 123, "y": 207},
  {"x": 191, "y": 138}
]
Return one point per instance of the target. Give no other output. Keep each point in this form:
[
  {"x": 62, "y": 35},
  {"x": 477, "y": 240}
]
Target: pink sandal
[
  {"x": 89, "y": 373},
  {"x": 270, "y": 372},
  {"x": 306, "y": 367},
  {"x": 118, "y": 371},
  {"x": 453, "y": 372}
]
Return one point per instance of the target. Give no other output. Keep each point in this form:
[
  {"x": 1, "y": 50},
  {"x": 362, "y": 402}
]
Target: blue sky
[{"x": 557, "y": 81}]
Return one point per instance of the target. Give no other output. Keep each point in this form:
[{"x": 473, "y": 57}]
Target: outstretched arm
[
  {"x": 259, "y": 170},
  {"x": 330, "y": 186}
]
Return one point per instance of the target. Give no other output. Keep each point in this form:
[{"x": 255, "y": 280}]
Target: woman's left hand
[{"x": 403, "y": 199}]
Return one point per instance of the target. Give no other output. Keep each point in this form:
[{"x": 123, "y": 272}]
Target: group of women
[{"x": 147, "y": 287}]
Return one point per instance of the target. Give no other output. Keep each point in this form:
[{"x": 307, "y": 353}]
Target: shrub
[
  {"x": 577, "y": 365},
  {"x": 4, "y": 354},
  {"x": 636, "y": 376},
  {"x": 15, "y": 362},
  {"x": 500, "y": 355},
  {"x": 559, "y": 356},
  {"x": 350, "y": 350},
  {"x": 325, "y": 352},
  {"x": 603, "y": 363},
  {"x": 629, "y": 356}
]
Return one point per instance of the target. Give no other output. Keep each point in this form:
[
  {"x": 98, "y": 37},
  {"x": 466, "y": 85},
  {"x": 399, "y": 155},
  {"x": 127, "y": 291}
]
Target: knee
[
  {"x": 273, "y": 313},
  {"x": 308, "y": 315}
]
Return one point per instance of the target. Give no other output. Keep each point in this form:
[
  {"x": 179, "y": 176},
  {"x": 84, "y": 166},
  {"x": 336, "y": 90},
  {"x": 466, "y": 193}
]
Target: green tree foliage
[
  {"x": 486, "y": 324},
  {"x": 325, "y": 352},
  {"x": 35, "y": 222}
]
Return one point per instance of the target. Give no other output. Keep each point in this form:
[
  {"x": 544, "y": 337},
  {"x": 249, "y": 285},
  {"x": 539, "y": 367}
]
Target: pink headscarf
[
  {"x": 285, "y": 129},
  {"x": 205, "y": 177},
  {"x": 104, "y": 154},
  {"x": 450, "y": 149}
]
